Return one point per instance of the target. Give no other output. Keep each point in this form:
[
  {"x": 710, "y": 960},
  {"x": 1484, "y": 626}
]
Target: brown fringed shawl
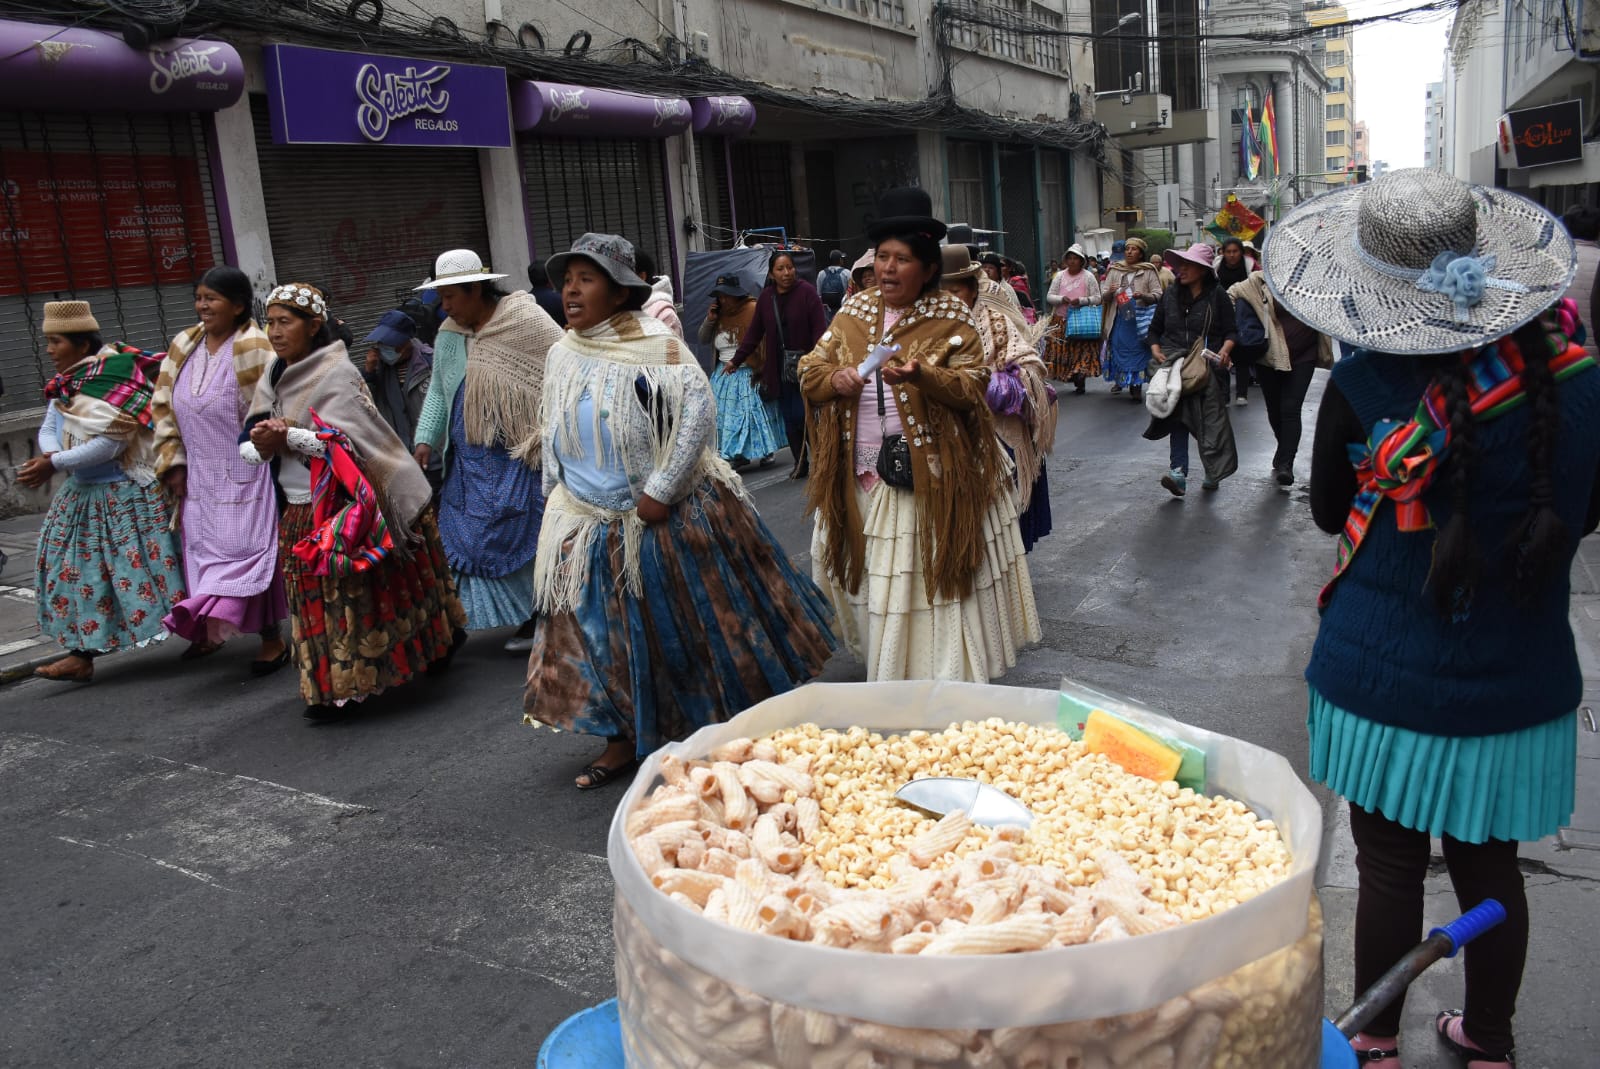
[{"x": 956, "y": 463}]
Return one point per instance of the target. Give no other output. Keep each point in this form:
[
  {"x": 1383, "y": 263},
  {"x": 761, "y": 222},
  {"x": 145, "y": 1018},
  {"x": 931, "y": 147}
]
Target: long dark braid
[
  {"x": 1457, "y": 558},
  {"x": 1539, "y": 543}
]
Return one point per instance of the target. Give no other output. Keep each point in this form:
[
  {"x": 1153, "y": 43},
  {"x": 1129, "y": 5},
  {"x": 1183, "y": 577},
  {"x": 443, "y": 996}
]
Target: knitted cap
[{"x": 69, "y": 317}]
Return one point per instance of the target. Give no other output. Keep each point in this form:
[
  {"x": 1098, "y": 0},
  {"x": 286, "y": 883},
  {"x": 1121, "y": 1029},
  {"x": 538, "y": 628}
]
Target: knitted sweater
[{"x": 1384, "y": 652}]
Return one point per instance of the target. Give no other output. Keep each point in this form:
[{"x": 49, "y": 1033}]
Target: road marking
[
  {"x": 125, "y": 852},
  {"x": 21, "y": 644},
  {"x": 18, "y": 593}
]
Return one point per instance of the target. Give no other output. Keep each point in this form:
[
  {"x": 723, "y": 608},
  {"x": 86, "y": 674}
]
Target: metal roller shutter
[
  {"x": 131, "y": 226},
  {"x": 763, "y": 184},
  {"x": 1019, "y": 210},
  {"x": 577, "y": 185},
  {"x": 716, "y": 203},
  {"x": 365, "y": 223}
]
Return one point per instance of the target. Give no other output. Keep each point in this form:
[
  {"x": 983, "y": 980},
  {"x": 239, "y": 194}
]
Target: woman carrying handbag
[{"x": 1194, "y": 319}]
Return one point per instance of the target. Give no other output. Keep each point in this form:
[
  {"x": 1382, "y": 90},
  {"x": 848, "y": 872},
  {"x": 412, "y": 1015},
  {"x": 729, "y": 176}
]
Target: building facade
[
  {"x": 1433, "y": 135},
  {"x": 349, "y": 151},
  {"x": 1339, "y": 106}
]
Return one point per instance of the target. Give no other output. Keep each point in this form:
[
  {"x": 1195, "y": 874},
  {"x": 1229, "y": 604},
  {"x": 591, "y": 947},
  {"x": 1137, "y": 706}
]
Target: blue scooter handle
[{"x": 1471, "y": 924}]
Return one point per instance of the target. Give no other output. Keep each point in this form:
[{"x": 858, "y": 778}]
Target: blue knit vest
[{"x": 1385, "y": 653}]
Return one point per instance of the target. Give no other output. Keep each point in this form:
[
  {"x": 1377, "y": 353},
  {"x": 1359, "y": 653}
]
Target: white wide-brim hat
[
  {"x": 1418, "y": 262},
  {"x": 457, "y": 267}
]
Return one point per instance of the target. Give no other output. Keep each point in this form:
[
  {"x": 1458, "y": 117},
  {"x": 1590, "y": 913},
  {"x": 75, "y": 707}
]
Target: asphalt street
[{"x": 193, "y": 875}]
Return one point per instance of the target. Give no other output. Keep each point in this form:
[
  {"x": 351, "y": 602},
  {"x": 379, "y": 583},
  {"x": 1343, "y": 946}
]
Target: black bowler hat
[
  {"x": 905, "y": 211},
  {"x": 729, "y": 286}
]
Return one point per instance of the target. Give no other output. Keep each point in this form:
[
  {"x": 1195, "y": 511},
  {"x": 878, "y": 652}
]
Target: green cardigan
[{"x": 449, "y": 372}]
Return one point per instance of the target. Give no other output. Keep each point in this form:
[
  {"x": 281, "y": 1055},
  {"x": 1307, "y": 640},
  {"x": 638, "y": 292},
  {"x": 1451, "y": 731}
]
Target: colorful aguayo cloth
[{"x": 1398, "y": 463}]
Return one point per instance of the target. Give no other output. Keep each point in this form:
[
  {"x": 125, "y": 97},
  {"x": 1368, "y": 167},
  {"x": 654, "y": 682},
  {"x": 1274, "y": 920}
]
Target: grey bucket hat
[
  {"x": 1418, "y": 262},
  {"x": 612, "y": 253}
]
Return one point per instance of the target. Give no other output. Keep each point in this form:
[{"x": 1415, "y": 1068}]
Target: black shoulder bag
[
  {"x": 791, "y": 357},
  {"x": 894, "y": 456}
]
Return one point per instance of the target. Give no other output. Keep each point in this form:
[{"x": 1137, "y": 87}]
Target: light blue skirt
[
  {"x": 1516, "y": 786},
  {"x": 503, "y": 602},
  {"x": 746, "y": 426}
]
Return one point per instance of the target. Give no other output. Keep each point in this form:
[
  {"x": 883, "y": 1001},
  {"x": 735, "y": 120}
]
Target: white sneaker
[{"x": 1240, "y": 402}]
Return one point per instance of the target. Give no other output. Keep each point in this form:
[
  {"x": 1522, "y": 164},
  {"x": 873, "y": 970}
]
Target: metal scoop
[{"x": 984, "y": 804}]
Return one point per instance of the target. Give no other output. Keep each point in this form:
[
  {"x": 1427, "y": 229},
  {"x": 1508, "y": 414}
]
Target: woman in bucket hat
[
  {"x": 370, "y": 597},
  {"x": 108, "y": 561},
  {"x": 1196, "y": 309},
  {"x": 482, "y": 412},
  {"x": 1455, "y": 457},
  {"x": 665, "y": 603}
]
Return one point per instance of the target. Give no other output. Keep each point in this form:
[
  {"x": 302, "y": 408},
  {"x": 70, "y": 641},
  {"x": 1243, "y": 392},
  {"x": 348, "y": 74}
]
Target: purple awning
[
  {"x": 51, "y": 68},
  {"x": 583, "y": 111},
  {"x": 723, "y": 116}
]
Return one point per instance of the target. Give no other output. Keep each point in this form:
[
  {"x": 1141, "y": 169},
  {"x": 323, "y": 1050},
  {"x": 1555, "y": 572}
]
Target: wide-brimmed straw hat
[
  {"x": 458, "y": 267},
  {"x": 1418, "y": 262},
  {"x": 957, "y": 263},
  {"x": 612, "y": 253},
  {"x": 69, "y": 317}
]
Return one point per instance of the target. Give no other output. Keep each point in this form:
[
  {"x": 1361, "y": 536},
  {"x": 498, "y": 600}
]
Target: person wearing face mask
[
  {"x": 398, "y": 369},
  {"x": 664, "y": 602},
  {"x": 372, "y": 604}
]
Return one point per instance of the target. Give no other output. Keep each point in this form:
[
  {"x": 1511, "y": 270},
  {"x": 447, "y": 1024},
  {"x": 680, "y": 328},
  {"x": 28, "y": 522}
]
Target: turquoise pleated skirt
[{"x": 1516, "y": 786}]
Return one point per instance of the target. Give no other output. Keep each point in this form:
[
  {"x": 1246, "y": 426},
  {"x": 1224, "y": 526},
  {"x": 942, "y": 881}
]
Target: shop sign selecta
[
  {"x": 320, "y": 96},
  {"x": 1538, "y": 137}
]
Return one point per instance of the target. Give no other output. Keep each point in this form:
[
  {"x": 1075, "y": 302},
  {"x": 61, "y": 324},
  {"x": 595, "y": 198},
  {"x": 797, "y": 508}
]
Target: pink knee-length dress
[{"x": 230, "y": 516}]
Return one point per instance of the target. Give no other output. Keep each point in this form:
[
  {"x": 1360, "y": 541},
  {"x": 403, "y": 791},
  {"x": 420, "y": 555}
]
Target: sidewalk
[{"x": 21, "y": 646}]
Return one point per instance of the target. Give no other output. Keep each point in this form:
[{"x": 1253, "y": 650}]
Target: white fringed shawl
[{"x": 666, "y": 459}]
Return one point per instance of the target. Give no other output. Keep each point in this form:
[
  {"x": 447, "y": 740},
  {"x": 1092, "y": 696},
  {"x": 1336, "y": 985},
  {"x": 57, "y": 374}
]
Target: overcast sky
[{"x": 1395, "y": 61}]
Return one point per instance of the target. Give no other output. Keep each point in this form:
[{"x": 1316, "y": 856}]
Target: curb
[{"x": 24, "y": 670}]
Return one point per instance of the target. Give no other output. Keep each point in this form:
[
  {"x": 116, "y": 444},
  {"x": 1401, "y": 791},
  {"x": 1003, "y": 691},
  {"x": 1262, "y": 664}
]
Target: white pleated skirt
[{"x": 890, "y": 624}]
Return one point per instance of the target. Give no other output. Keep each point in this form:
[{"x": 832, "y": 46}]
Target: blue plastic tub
[{"x": 591, "y": 1039}]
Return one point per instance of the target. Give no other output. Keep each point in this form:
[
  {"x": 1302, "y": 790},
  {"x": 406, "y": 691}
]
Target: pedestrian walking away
[
  {"x": 398, "y": 370},
  {"x": 1130, "y": 293},
  {"x": 788, "y": 321},
  {"x": 1455, "y": 461},
  {"x": 227, "y": 509},
  {"x": 749, "y": 426},
  {"x": 1233, "y": 267},
  {"x": 482, "y": 409},
  {"x": 1194, "y": 320},
  {"x": 665, "y": 602},
  {"x": 108, "y": 567},
  {"x": 1285, "y": 353},
  {"x": 916, "y": 543},
  {"x": 833, "y": 285},
  {"x": 1022, "y": 402},
  {"x": 370, "y": 594},
  {"x": 1072, "y": 340}
]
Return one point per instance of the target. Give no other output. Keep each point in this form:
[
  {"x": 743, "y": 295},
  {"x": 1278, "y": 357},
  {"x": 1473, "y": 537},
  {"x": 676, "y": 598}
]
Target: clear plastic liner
[{"x": 1265, "y": 952}]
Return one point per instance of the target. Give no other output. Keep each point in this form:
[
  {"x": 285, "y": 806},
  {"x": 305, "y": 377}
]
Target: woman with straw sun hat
[
  {"x": 1456, "y": 459},
  {"x": 108, "y": 561}
]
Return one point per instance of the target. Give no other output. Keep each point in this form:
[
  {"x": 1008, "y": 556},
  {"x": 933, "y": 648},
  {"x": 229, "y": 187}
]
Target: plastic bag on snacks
[{"x": 1242, "y": 984}]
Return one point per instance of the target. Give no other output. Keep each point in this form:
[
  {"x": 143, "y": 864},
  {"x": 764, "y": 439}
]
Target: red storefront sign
[{"x": 75, "y": 221}]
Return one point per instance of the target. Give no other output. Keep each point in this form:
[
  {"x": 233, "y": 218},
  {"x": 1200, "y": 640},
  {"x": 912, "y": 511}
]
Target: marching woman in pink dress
[{"x": 229, "y": 510}]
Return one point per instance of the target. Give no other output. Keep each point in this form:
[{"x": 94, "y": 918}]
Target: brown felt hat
[
  {"x": 69, "y": 317},
  {"x": 958, "y": 263}
]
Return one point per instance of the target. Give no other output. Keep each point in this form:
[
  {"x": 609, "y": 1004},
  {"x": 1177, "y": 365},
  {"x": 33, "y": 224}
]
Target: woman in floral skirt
[
  {"x": 748, "y": 428},
  {"x": 108, "y": 562},
  {"x": 358, "y": 628}
]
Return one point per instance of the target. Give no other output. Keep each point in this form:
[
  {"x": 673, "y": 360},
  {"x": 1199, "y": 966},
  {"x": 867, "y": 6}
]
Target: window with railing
[
  {"x": 1336, "y": 85},
  {"x": 1335, "y": 111},
  {"x": 1011, "y": 30},
  {"x": 1334, "y": 163},
  {"x": 1335, "y": 137}
]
